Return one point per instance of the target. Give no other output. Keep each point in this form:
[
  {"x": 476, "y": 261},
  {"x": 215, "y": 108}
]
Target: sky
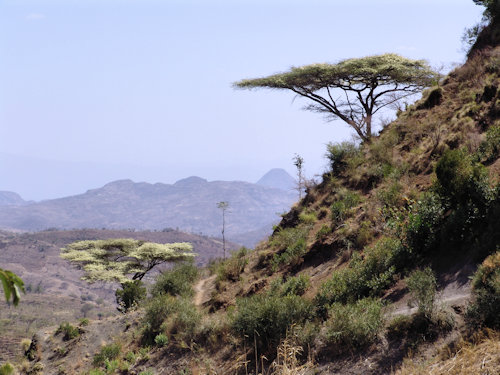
[{"x": 97, "y": 90}]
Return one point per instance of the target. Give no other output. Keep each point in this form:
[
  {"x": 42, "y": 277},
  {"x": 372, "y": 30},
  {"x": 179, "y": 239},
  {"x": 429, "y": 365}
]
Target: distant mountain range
[{"x": 189, "y": 205}]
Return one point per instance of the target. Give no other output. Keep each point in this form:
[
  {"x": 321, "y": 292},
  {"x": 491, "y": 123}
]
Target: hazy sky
[{"x": 92, "y": 91}]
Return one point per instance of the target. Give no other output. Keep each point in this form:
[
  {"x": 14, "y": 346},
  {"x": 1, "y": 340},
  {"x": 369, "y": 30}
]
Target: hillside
[
  {"x": 189, "y": 204},
  {"x": 392, "y": 258}
]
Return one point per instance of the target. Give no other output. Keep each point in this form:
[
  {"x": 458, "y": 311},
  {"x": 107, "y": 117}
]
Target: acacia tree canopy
[
  {"x": 353, "y": 89},
  {"x": 114, "y": 259}
]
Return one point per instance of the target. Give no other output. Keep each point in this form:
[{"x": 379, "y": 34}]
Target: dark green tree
[{"x": 353, "y": 90}]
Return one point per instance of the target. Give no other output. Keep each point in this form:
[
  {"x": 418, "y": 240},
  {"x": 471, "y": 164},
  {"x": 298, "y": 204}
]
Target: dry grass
[
  {"x": 287, "y": 363},
  {"x": 471, "y": 358}
]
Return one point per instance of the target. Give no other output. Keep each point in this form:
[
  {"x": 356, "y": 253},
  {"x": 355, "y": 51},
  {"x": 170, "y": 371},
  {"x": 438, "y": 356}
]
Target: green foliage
[
  {"x": 291, "y": 256},
  {"x": 7, "y": 369},
  {"x": 84, "y": 322},
  {"x": 176, "y": 282},
  {"x": 12, "y": 286},
  {"x": 485, "y": 309},
  {"x": 167, "y": 314},
  {"x": 161, "y": 340},
  {"x": 391, "y": 195},
  {"x": 308, "y": 217},
  {"x": 355, "y": 325},
  {"x": 489, "y": 149},
  {"x": 113, "y": 260},
  {"x": 293, "y": 242},
  {"x": 368, "y": 276},
  {"x": 231, "y": 268},
  {"x": 267, "y": 317},
  {"x": 294, "y": 286},
  {"x": 130, "y": 296},
  {"x": 369, "y": 84},
  {"x": 323, "y": 231},
  {"x": 422, "y": 285},
  {"x": 339, "y": 155},
  {"x": 462, "y": 181},
  {"x": 342, "y": 208},
  {"x": 158, "y": 310},
  {"x": 69, "y": 332},
  {"x": 106, "y": 354}
]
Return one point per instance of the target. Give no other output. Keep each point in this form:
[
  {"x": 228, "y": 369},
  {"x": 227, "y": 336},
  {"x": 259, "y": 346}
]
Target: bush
[
  {"x": 287, "y": 237},
  {"x": 341, "y": 209},
  {"x": 167, "y": 314},
  {"x": 355, "y": 325},
  {"x": 267, "y": 317},
  {"x": 422, "y": 286},
  {"x": 106, "y": 354},
  {"x": 323, "y": 231},
  {"x": 6, "y": 369},
  {"x": 295, "y": 286},
  {"x": 422, "y": 224},
  {"x": 485, "y": 309},
  {"x": 291, "y": 256},
  {"x": 161, "y": 340},
  {"x": 339, "y": 155},
  {"x": 307, "y": 217},
  {"x": 177, "y": 281},
  {"x": 69, "y": 332},
  {"x": 130, "y": 296},
  {"x": 363, "y": 277},
  {"x": 490, "y": 147},
  {"x": 231, "y": 268},
  {"x": 460, "y": 180},
  {"x": 157, "y": 311}
]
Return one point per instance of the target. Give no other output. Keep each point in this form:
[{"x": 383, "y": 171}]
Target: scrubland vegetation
[{"x": 393, "y": 222}]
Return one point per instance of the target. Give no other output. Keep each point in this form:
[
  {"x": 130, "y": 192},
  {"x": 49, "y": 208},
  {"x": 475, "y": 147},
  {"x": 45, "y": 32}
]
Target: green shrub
[
  {"x": 106, "y": 354},
  {"x": 353, "y": 326},
  {"x": 84, "y": 322},
  {"x": 7, "y": 369},
  {"x": 267, "y": 317},
  {"x": 422, "y": 286},
  {"x": 176, "y": 282},
  {"x": 342, "y": 208},
  {"x": 130, "y": 295},
  {"x": 161, "y": 340},
  {"x": 485, "y": 308},
  {"x": 339, "y": 155},
  {"x": 391, "y": 195},
  {"x": 308, "y": 217},
  {"x": 295, "y": 286},
  {"x": 158, "y": 310},
  {"x": 490, "y": 147},
  {"x": 291, "y": 256},
  {"x": 231, "y": 268},
  {"x": 69, "y": 332},
  {"x": 167, "y": 314},
  {"x": 284, "y": 238},
  {"x": 363, "y": 277},
  {"x": 460, "y": 180},
  {"x": 422, "y": 224},
  {"x": 323, "y": 231}
]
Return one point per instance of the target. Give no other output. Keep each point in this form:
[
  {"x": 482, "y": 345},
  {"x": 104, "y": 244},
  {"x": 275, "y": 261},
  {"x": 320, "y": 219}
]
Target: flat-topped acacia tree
[
  {"x": 115, "y": 259},
  {"x": 352, "y": 90},
  {"x": 118, "y": 259}
]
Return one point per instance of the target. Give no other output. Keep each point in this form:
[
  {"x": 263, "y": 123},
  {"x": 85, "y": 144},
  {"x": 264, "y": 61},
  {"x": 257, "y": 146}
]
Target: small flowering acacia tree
[{"x": 115, "y": 260}]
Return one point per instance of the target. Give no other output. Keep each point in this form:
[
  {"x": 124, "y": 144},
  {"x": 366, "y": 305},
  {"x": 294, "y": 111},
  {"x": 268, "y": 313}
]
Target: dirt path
[
  {"x": 202, "y": 290},
  {"x": 452, "y": 294}
]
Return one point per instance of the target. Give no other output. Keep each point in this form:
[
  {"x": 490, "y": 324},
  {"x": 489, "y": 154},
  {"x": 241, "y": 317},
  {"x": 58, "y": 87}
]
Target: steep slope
[{"x": 417, "y": 208}]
